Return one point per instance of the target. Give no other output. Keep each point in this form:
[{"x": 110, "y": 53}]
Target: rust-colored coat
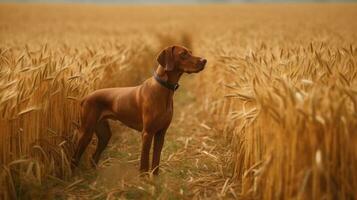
[{"x": 147, "y": 108}]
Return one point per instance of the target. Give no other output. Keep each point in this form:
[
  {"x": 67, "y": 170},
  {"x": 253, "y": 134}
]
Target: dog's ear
[{"x": 166, "y": 58}]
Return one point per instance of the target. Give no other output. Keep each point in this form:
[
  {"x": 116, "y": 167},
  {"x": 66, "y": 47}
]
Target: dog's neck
[{"x": 168, "y": 76}]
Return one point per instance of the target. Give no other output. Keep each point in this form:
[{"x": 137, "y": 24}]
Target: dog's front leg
[
  {"x": 145, "y": 151},
  {"x": 158, "y": 143}
]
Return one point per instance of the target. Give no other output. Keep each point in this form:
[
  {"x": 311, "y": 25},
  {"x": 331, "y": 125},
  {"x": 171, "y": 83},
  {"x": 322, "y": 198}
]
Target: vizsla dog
[{"x": 147, "y": 108}]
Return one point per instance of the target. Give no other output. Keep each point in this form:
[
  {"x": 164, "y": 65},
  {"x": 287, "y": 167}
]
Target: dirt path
[{"x": 194, "y": 161}]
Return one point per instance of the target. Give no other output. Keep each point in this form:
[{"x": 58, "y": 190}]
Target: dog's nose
[{"x": 203, "y": 62}]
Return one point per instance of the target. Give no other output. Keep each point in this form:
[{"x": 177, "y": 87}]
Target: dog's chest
[
  {"x": 165, "y": 113},
  {"x": 168, "y": 114},
  {"x": 160, "y": 116}
]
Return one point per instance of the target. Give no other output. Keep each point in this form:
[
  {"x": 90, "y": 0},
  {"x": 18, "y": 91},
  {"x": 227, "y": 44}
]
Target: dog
[{"x": 147, "y": 108}]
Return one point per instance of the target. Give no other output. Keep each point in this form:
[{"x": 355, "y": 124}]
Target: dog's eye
[{"x": 184, "y": 55}]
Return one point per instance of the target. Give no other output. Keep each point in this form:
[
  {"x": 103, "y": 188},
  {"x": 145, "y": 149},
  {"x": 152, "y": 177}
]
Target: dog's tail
[{"x": 82, "y": 101}]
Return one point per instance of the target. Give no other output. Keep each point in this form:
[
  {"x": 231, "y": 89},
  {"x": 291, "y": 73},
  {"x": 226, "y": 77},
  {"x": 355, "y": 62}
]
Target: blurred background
[
  {"x": 173, "y": 1},
  {"x": 272, "y": 116}
]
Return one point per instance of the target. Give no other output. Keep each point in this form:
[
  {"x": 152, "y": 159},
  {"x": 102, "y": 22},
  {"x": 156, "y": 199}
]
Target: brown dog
[{"x": 147, "y": 108}]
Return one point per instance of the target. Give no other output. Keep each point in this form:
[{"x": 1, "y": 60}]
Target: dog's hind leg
[
  {"x": 104, "y": 134},
  {"x": 82, "y": 145},
  {"x": 89, "y": 119}
]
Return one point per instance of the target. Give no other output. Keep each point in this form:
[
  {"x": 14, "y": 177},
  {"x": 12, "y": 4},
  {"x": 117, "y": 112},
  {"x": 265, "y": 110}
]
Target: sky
[{"x": 169, "y": 1}]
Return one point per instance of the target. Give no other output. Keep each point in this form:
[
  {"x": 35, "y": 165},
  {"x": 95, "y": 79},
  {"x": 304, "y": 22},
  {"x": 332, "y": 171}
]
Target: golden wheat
[{"x": 280, "y": 88}]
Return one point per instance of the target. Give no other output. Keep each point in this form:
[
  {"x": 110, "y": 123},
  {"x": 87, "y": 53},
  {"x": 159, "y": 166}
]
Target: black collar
[{"x": 168, "y": 85}]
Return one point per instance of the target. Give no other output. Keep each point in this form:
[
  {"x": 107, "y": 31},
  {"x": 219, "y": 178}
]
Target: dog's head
[{"x": 181, "y": 59}]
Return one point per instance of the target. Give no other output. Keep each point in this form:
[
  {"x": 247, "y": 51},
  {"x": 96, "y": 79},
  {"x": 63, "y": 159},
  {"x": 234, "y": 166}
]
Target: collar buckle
[{"x": 176, "y": 86}]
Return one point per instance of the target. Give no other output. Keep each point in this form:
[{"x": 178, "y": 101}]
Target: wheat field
[{"x": 273, "y": 115}]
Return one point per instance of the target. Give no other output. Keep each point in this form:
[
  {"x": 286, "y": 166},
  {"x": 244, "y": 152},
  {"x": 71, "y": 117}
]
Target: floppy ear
[{"x": 166, "y": 58}]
